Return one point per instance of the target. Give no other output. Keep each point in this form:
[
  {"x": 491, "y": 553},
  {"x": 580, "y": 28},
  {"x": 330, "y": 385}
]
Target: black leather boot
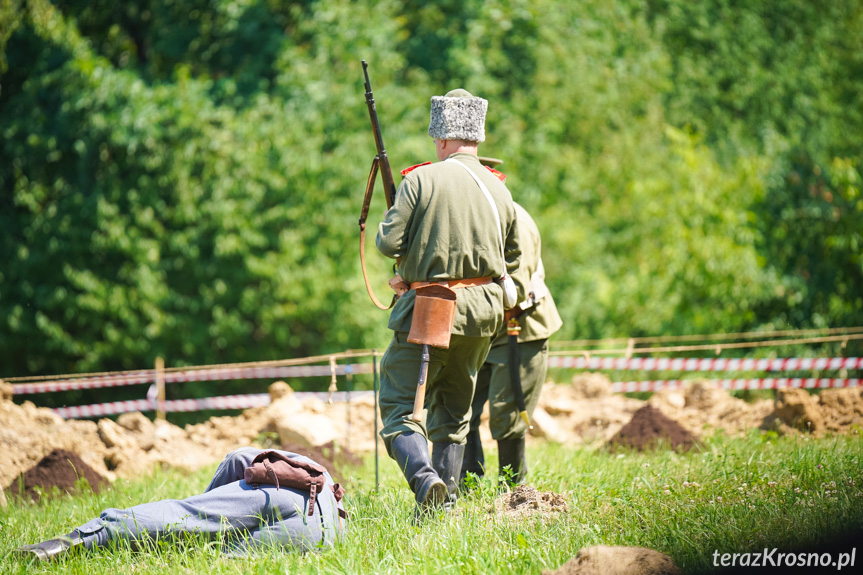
[
  {"x": 474, "y": 459},
  {"x": 50, "y": 549},
  {"x": 411, "y": 452},
  {"x": 511, "y": 455},
  {"x": 447, "y": 458}
]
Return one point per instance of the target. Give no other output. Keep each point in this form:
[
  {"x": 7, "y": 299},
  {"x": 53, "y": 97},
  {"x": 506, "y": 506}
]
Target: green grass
[{"x": 733, "y": 495}]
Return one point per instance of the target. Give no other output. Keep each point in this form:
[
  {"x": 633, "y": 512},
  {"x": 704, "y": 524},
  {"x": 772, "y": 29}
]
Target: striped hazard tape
[
  {"x": 215, "y": 374},
  {"x": 115, "y": 407},
  {"x": 221, "y": 374},
  {"x": 85, "y": 383},
  {"x": 197, "y": 404},
  {"x": 262, "y": 399},
  {"x": 571, "y": 362},
  {"x": 736, "y": 384},
  {"x": 705, "y": 364}
]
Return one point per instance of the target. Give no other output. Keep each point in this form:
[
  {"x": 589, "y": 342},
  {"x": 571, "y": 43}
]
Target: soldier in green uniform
[
  {"x": 537, "y": 318},
  {"x": 442, "y": 228}
]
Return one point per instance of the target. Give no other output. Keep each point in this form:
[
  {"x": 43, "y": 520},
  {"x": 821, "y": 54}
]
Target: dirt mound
[
  {"x": 841, "y": 408},
  {"x": 29, "y": 433},
  {"x": 649, "y": 427},
  {"x": 583, "y": 412},
  {"x": 799, "y": 410},
  {"x": 590, "y": 385},
  {"x": 525, "y": 500},
  {"x": 61, "y": 469},
  {"x": 606, "y": 560},
  {"x": 134, "y": 445},
  {"x": 701, "y": 405},
  {"x": 833, "y": 410}
]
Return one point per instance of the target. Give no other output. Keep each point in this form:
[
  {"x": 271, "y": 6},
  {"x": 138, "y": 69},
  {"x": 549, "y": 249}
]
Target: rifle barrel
[{"x": 383, "y": 159}]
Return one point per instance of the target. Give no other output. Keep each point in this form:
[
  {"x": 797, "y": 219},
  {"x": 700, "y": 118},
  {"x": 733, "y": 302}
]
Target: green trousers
[
  {"x": 449, "y": 388},
  {"x": 493, "y": 384}
]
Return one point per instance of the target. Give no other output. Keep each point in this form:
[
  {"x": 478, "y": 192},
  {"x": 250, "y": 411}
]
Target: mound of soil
[
  {"x": 837, "y": 410},
  {"x": 842, "y": 408},
  {"x": 525, "y": 500},
  {"x": 607, "y": 560},
  {"x": 61, "y": 469},
  {"x": 582, "y": 413},
  {"x": 648, "y": 427},
  {"x": 328, "y": 455},
  {"x": 701, "y": 405}
]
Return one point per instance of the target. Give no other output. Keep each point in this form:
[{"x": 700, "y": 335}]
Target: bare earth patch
[
  {"x": 61, "y": 469},
  {"x": 610, "y": 560},
  {"x": 526, "y": 500},
  {"x": 582, "y": 413},
  {"x": 649, "y": 428}
]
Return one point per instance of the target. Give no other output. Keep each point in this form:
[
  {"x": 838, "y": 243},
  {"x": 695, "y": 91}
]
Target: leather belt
[{"x": 455, "y": 284}]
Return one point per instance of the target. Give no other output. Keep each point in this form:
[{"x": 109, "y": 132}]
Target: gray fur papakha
[{"x": 458, "y": 116}]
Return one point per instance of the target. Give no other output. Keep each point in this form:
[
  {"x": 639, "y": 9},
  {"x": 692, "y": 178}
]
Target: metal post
[{"x": 375, "y": 385}]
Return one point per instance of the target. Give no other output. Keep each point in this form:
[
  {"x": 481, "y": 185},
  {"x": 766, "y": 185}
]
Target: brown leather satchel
[
  {"x": 433, "y": 316},
  {"x": 273, "y": 468}
]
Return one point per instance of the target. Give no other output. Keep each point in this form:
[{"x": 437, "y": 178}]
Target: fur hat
[{"x": 458, "y": 116}]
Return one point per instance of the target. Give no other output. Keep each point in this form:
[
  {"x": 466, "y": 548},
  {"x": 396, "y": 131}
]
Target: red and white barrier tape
[
  {"x": 215, "y": 374},
  {"x": 262, "y": 399},
  {"x": 705, "y": 364},
  {"x": 100, "y": 409},
  {"x": 171, "y": 405},
  {"x": 221, "y": 374},
  {"x": 572, "y": 362},
  {"x": 198, "y": 404},
  {"x": 736, "y": 384},
  {"x": 84, "y": 383}
]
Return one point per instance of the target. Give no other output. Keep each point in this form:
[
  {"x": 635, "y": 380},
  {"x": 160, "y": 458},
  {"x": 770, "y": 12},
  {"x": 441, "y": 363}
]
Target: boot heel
[{"x": 436, "y": 496}]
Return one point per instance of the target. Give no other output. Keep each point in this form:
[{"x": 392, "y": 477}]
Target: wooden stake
[{"x": 160, "y": 388}]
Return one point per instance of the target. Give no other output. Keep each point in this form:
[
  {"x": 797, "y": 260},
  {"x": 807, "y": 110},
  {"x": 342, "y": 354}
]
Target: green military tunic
[
  {"x": 538, "y": 322},
  {"x": 443, "y": 228}
]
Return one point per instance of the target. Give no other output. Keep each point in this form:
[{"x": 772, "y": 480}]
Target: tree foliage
[{"x": 183, "y": 178}]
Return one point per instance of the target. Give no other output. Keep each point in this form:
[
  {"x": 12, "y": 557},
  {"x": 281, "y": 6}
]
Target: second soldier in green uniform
[{"x": 537, "y": 319}]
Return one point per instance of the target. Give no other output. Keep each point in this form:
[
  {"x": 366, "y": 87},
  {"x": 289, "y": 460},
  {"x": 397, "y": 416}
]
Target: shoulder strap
[{"x": 488, "y": 197}]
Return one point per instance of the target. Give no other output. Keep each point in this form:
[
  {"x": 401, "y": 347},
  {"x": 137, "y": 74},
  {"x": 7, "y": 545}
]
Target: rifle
[{"x": 381, "y": 162}]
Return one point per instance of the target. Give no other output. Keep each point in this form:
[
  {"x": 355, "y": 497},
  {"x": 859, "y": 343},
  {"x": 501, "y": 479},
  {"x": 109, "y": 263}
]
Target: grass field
[{"x": 731, "y": 495}]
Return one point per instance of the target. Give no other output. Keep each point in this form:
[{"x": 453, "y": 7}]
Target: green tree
[{"x": 811, "y": 222}]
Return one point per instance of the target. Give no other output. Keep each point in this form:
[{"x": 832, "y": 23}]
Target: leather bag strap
[{"x": 364, "y": 214}]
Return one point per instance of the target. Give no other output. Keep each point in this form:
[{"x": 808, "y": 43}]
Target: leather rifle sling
[{"x": 370, "y": 187}]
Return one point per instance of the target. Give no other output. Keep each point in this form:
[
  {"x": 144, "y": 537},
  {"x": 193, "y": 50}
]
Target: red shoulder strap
[
  {"x": 499, "y": 175},
  {"x": 407, "y": 171}
]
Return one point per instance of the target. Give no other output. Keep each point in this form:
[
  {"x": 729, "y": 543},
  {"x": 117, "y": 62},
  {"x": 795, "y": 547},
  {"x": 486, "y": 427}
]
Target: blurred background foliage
[{"x": 183, "y": 178}]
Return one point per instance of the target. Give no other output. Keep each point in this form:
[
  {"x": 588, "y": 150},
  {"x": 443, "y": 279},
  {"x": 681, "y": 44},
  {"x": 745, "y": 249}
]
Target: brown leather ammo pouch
[
  {"x": 433, "y": 317},
  {"x": 273, "y": 468}
]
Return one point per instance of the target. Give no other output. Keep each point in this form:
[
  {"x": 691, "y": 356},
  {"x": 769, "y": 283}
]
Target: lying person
[{"x": 250, "y": 503}]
